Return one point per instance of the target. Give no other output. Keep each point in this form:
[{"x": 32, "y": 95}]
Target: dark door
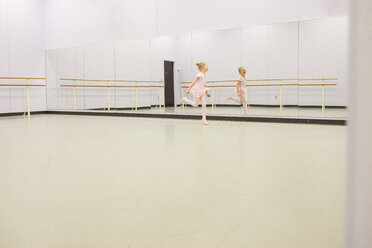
[{"x": 169, "y": 83}]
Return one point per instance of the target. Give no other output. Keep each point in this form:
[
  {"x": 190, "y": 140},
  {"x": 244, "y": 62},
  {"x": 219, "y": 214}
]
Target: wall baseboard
[
  {"x": 21, "y": 113},
  {"x": 102, "y": 109},
  {"x": 267, "y": 119}
]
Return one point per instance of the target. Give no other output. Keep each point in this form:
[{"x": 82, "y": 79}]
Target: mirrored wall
[{"x": 293, "y": 69}]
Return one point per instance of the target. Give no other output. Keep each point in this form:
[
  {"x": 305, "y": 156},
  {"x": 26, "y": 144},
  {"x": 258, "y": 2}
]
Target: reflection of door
[{"x": 169, "y": 83}]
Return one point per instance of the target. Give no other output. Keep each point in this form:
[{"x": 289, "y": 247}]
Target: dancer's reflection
[{"x": 241, "y": 90}]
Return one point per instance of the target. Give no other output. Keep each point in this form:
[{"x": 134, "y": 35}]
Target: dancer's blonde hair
[
  {"x": 240, "y": 69},
  {"x": 200, "y": 65}
]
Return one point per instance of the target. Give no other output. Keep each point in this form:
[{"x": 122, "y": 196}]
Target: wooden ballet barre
[
  {"x": 26, "y": 78},
  {"x": 111, "y": 86},
  {"x": 74, "y": 86},
  {"x": 317, "y": 84},
  {"x": 110, "y": 80},
  {"x": 27, "y": 85}
]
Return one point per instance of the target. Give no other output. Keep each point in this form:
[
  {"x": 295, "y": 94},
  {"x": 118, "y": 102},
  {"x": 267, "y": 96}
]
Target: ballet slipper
[
  {"x": 229, "y": 98},
  {"x": 205, "y": 122}
]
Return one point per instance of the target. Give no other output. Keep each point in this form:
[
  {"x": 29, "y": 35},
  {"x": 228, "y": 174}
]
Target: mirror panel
[{"x": 273, "y": 55}]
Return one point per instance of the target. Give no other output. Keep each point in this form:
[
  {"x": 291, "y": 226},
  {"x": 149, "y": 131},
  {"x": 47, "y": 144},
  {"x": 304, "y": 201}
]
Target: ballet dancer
[
  {"x": 197, "y": 88},
  {"x": 241, "y": 90}
]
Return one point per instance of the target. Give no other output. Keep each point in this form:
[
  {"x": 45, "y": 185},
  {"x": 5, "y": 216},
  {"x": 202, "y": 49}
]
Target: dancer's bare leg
[
  {"x": 204, "y": 109},
  {"x": 233, "y": 99},
  {"x": 244, "y": 102}
]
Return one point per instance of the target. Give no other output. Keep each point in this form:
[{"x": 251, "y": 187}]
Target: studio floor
[
  {"x": 258, "y": 111},
  {"x": 94, "y": 181}
]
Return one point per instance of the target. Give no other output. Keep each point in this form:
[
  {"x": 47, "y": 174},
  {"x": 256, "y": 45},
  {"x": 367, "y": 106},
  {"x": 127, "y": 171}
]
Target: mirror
[{"x": 292, "y": 69}]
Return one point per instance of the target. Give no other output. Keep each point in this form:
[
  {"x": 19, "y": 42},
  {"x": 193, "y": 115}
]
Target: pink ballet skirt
[
  {"x": 198, "y": 92},
  {"x": 199, "y": 88},
  {"x": 243, "y": 91}
]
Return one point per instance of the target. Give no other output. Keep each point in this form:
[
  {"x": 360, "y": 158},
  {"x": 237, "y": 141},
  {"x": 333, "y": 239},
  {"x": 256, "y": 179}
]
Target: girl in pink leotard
[{"x": 197, "y": 88}]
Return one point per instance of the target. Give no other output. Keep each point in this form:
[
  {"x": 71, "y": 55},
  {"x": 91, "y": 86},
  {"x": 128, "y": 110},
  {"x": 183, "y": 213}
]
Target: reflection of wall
[
  {"x": 324, "y": 53},
  {"x": 21, "y": 52},
  {"x": 130, "y": 60},
  {"x": 69, "y": 63},
  {"x": 271, "y": 52},
  {"x": 99, "y": 63},
  {"x": 313, "y": 48},
  {"x": 162, "y": 48},
  {"x": 308, "y": 49},
  {"x": 75, "y": 23}
]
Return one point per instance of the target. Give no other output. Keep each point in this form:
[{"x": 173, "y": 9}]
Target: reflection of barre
[
  {"x": 323, "y": 84},
  {"x": 160, "y": 86},
  {"x": 248, "y": 85},
  {"x": 28, "y": 85},
  {"x": 273, "y": 79},
  {"x": 110, "y": 80},
  {"x": 115, "y": 86},
  {"x": 253, "y": 85},
  {"x": 111, "y": 86}
]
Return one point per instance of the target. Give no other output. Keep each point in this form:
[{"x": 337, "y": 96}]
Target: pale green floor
[
  {"x": 257, "y": 111},
  {"x": 81, "y": 181}
]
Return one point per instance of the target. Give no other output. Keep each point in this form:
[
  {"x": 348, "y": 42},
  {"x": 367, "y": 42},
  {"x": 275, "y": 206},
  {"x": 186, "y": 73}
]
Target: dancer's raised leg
[
  {"x": 194, "y": 103},
  {"x": 233, "y": 99}
]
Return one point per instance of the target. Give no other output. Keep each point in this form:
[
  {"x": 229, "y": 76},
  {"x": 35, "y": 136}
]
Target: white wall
[
  {"x": 84, "y": 22},
  {"x": 359, "y": 200},
  {"x": 21, "y": 53},
  {"x": 74, "y": 23},
  {"x": 201, "y": 15}
]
